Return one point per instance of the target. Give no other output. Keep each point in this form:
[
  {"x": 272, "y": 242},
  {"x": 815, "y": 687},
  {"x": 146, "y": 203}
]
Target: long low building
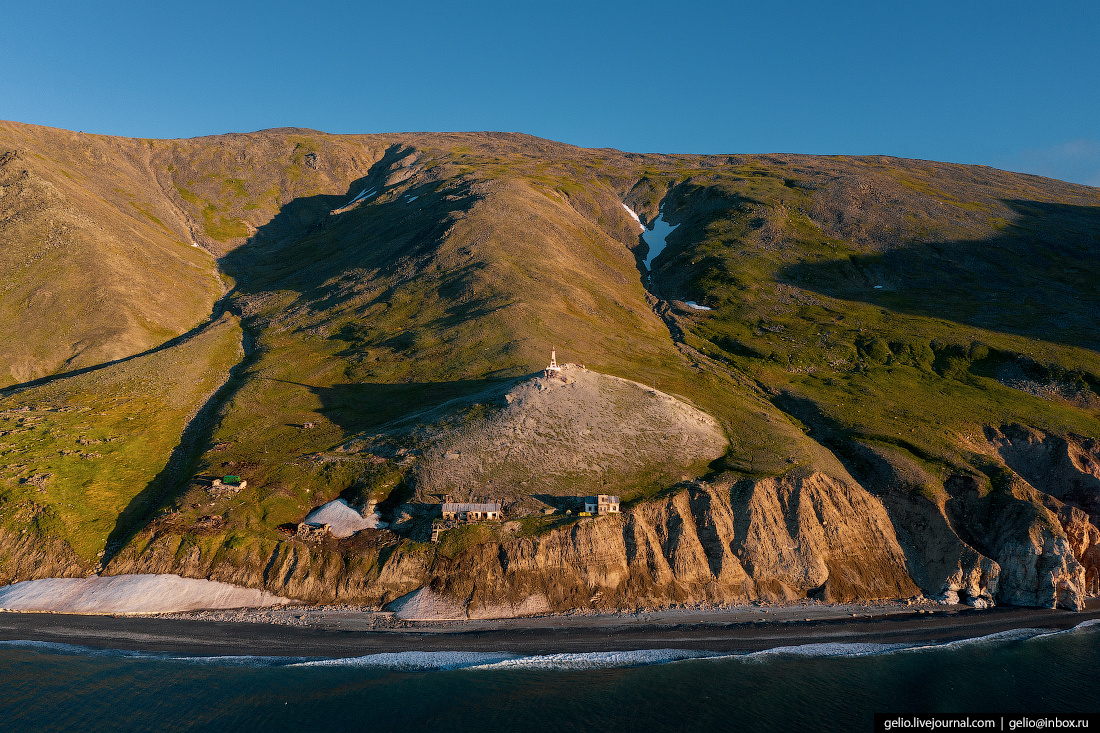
[{"x": 470, "y": 512}]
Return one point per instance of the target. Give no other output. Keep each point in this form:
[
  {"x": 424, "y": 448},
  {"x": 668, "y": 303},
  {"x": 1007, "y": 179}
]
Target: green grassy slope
[
  {"x": 869, "y": 315},
  {"x": 904, "y": 329},
  {"x": 83, "y": 455},
  {"x": 96, "y": 265}
]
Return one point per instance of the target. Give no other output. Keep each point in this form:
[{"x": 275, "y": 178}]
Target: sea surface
[{"x": 820, "y": 687}]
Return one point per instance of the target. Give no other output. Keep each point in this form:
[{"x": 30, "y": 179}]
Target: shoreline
[{"x": 340, "y": 632}]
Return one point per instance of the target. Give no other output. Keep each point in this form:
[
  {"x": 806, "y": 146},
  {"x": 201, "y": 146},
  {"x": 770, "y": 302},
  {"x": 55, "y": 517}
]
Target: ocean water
[{"x": 821, "y": 687}]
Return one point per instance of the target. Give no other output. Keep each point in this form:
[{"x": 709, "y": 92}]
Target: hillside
[{"x": 895, "y": 384}]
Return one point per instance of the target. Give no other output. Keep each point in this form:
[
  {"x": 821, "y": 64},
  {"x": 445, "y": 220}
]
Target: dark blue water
[{"x": 822, "y": 688}]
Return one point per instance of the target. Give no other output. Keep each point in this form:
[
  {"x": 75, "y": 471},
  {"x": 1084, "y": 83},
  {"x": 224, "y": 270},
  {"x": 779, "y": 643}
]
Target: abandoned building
[
  {"x": 470, "y": 512},
  {"x": 601, "y": 504}
]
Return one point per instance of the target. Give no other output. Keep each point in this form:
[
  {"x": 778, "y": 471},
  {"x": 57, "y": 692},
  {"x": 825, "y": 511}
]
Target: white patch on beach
[
  {"x": 696, "y": 306},
  {"x": 342, "y": 520},
  {"x": 424, "y": 604},
  {"x": 130, "y": 594},
  {"x": 655, "y": 237},
  {"x": 634, "y": 216}
]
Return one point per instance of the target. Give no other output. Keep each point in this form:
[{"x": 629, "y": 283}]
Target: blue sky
[{"x": 1009, "y": 84}]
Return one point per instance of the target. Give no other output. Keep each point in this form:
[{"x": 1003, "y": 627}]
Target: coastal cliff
[{"x": 726, "y": 541}]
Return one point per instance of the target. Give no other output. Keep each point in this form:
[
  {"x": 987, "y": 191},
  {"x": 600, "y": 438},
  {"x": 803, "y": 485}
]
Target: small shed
[
  {"x": 601, "y": 504},
  {"x": 470, "y": 512},
  {"x": 232, "y": 482}
]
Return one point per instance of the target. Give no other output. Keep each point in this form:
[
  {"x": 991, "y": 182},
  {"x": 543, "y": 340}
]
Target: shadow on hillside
[
  {"x": 308, "y": 249},
  {"x": 1036, "y": 278},
  {"x": 866, "y": 466},
  {"x": 367, "y": 406},
  {"x": 176, "y": 475}
]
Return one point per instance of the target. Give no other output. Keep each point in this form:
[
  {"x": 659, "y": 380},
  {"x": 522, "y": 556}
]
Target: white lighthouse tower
[{"x": 553, "y": 361}]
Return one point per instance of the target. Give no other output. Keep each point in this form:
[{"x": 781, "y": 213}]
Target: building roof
[{"x": 456, "y": 507}]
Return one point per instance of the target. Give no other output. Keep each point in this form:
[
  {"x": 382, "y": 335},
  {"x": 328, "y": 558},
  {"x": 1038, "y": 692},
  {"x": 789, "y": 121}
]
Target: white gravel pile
[{"x": 342, "y": 520}]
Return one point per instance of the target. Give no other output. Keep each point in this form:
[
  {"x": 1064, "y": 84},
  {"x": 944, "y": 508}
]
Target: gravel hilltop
[{"x": 561, "y": 435}]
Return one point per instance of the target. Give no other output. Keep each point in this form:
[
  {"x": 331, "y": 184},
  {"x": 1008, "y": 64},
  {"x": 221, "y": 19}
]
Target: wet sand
[{"x": 335, "y": 632}]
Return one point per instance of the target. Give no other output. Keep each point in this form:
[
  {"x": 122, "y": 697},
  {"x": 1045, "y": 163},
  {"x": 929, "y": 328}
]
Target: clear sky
[{"x": 1010, "y": 84}]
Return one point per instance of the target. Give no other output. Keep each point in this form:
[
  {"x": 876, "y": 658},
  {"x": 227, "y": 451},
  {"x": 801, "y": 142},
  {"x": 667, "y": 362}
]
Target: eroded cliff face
[
  {"x": 1010, "y": 525},
  {"x": 1065, "y": 467},
  {"x": 982, "y": 543},
  {"x": 773, "y": 539},
  {"x": 938, "y": 560}
]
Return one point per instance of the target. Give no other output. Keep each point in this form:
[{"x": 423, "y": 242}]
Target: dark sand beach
[{"x": 348, "y": 633}]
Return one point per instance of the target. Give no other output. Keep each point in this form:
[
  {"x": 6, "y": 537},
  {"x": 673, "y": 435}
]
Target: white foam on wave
[
  {"x": 827, "y": 649},
  {"x": 602, "y": 660},
  {"x": 91, "y": 651},
  {"x": 997, "y": 638},
  {"x": 416, "y": 660}
]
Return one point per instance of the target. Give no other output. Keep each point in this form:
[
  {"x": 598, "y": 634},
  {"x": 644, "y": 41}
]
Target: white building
[{"x": 601, "y": 504}]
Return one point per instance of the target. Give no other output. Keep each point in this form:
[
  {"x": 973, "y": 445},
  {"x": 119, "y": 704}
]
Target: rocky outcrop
[
  {"x": 1010, "y": 525},
  {"x": 1066, "y": 467},
  {"x": 562, "y": 433},
  {"x": 1083, "y": 538},
  {"x": 968, "y": 540},
  {"x": 939, "y": 561},
  {"x": 773, "y": 539}
]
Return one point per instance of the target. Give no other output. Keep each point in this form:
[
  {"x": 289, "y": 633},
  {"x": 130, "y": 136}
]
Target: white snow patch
[
  {"x": 130, "y": 594},
  {"x": 696, "y": 306},
  {"x": 878, "y": 287},
  {"x": 342, "y": 520},
  {"x": 412, "y": 198},
  {"x": 655, "y": 237},
  {"x": 423, "y": 604},
  {"x": 364, "y": 194},
  {"x": 634, "y": 216}
]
